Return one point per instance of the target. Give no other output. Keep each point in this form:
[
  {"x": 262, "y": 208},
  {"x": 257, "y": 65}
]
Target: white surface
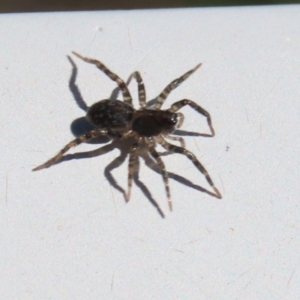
[{"x": 67, "y": 234}]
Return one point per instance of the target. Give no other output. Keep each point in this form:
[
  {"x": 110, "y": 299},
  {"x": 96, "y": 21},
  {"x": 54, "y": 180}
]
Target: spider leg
[
  {"x": 176, "y": 138},
  {"x": 181, "y": 119},
  {"x": 110, "y": 74},
  {"x": 195, "y": 161},
  {"x": 162, "y": 167},
  {"x": 81, "y": 139},
  {"x": 131, "y": 164},
  {"x": 141, "y": 87},
  {"x": 160, "y": 99},
  {"x": 179, "y": 104}
]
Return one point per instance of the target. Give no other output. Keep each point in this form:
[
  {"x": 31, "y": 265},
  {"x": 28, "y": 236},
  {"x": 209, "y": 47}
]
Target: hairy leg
[
  {"x": 176, "y": 138},
  {"x": 160, "y": 99},
  {"x": 179, "y": 104},
  {"x": 162, "y": 168},
  {"x": 141, "y": 87},
  {"x": 110, "y": 74},
  {"x": 81, "y": 139},
  {"x": 131, "y": 164},
  {"x": 195, "y": 161}
]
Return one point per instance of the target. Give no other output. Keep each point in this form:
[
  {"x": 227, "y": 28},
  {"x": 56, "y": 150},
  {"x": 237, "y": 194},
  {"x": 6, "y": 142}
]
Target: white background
[{"x": 67, "y": 233}]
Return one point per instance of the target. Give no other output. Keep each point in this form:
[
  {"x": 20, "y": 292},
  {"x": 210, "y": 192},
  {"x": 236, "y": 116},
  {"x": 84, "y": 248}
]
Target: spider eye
[{"x": 173, "y": 119}]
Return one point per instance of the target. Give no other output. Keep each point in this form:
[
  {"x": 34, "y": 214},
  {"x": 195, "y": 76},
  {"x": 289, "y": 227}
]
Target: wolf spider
[{"x": 147, "y": 125}]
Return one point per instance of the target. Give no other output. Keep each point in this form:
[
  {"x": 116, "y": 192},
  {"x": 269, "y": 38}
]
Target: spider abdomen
[
  {"x": 110, "y": 114},
  {"x": 150, "y": 122}
]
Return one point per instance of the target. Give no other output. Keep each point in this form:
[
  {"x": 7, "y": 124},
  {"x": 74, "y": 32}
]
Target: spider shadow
[
  {"x": 81, "y": 126},
  {"x": 124, "y": 147}
]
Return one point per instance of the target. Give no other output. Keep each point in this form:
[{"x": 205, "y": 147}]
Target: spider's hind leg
[{"x": 81, "y": 139}]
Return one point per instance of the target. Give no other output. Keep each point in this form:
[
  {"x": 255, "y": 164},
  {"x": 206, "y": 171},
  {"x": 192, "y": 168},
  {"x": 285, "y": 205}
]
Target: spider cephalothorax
[{"x": 118, "y": 119}]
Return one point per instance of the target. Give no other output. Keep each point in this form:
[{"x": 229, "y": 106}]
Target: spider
[{"x": 146, "y": 126}]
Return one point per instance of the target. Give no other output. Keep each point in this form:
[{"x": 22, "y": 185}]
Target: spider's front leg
[
  {"x": 195, "y": 161},
  {"x": 160, "y": 99},
  {"x": 176, "y": 138},
  {"x": 81, "y": 139},
  {"x": 179, "y": 104},
  {"x": 126, "y": 94},
  {"x": 161, "y": 165}
]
